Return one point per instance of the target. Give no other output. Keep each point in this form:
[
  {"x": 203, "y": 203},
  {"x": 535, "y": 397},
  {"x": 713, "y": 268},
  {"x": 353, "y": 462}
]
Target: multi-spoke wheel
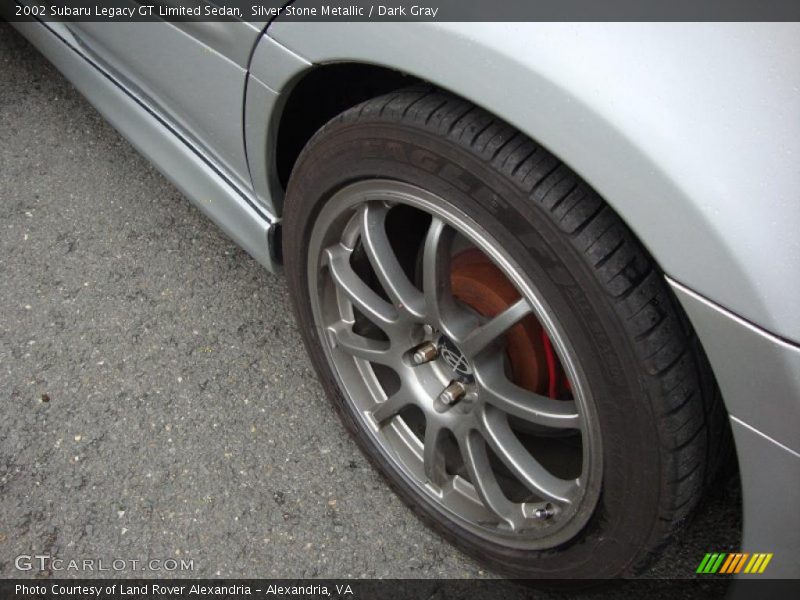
[
  {"x": 496, "y": 340},
  {"x": 429, "y": 376}
]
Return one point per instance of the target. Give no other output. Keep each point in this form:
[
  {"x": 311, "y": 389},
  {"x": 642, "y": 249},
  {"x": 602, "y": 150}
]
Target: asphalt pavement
[{"x": 156, "y": 401}]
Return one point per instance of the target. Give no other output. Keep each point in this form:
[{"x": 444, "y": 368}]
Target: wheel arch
[{"x": 320, "y": 93}]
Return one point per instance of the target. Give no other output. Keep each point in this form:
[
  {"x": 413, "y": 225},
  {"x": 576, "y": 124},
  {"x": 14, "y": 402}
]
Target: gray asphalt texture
[{"x": 157, "y": 401}]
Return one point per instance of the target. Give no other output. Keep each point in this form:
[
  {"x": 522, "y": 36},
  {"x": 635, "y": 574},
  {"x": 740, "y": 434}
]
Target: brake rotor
[{"x": 479, "y": 283}]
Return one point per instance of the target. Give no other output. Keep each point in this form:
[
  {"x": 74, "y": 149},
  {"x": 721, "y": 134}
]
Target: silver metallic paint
[
  {"x": 199, "y": 89},
  {"x": 771, "y": 491},
  {"x": 759, "y": 374},
  {"x": 759, "y": 377}
]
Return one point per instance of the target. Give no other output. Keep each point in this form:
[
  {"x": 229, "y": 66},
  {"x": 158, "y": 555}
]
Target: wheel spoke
[
  {"x": 375, "y": 351},
  {"x": 496, "y": 389},
  {"x": 433, "y": 456},
  {"x": 481, "y": 337},
  {"x": 476, "y": 460},
  {"x": 368, "y": 303},
  {"x": 440, "y": 303},
  {"x": 520, "y": 462},
  {"x": 436, "y": 267},
  {"x": 384, "y": 260},
  {"x": 392, "y": 405}
]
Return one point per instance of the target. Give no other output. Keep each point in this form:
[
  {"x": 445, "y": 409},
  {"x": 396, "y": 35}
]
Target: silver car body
[{"x": 690, "y": 131}]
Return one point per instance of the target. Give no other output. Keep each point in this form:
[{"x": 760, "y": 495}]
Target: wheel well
[{"x": 320, "y": 95}]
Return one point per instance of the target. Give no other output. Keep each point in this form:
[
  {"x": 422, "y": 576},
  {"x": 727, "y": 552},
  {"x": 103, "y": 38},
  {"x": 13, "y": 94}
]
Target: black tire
[{"x": 661, "y": 420}]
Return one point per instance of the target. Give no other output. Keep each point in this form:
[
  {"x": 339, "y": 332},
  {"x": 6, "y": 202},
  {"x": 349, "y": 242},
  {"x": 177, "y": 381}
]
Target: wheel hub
[{"x": 454, "y": 358}]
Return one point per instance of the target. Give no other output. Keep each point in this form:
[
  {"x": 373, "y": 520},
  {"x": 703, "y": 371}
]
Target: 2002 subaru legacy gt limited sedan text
[{"x": 549, "y": 287}]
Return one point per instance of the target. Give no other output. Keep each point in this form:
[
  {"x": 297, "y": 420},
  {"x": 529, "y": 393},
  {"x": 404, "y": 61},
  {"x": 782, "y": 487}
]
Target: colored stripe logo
[{"x": 743, "y": 562}]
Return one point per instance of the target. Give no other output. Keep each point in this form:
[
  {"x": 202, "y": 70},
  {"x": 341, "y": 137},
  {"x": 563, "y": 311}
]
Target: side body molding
[{"x": 202, "y": 180}]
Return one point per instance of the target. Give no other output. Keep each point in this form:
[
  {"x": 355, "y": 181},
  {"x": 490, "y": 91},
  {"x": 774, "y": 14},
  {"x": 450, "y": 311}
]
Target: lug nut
[
  {"x": 425, "y": 353},
  {"x": 453, "y": 393}
]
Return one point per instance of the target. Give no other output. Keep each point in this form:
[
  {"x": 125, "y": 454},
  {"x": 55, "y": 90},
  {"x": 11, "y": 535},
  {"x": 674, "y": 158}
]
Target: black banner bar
[
  {"x": 398, "y": 589},
  {"x": 403, "y": 10}
]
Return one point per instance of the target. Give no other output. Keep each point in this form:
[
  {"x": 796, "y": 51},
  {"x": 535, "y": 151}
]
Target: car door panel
[{"x": 192, "y": 72}]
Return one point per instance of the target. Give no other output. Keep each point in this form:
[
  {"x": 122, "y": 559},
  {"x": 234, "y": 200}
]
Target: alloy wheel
[{"x": 450, "y": 358}]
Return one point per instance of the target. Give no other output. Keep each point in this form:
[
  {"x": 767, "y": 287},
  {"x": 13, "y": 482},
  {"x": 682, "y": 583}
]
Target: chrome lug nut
[
  {"x": 425, "y": 353},
  {"x": 453, "y": 393}
]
